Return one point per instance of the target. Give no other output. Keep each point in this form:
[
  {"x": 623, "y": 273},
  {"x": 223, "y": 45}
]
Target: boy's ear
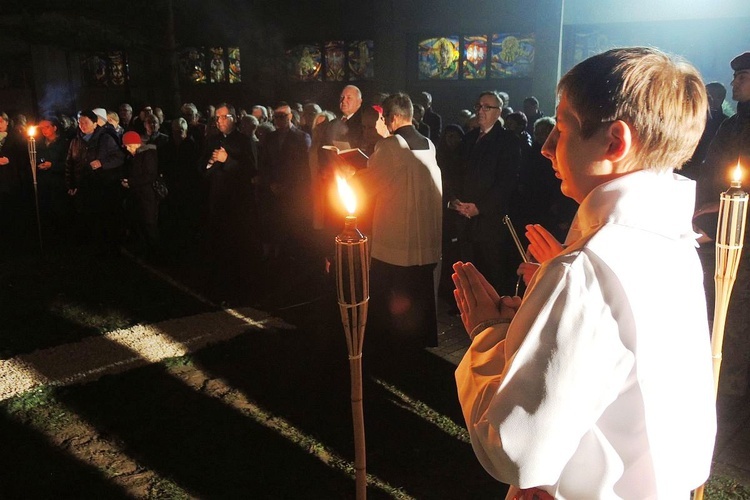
[{"x": 620, "y": 141}]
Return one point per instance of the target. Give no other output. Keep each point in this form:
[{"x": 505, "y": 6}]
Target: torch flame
[
  {"x": 737, "y": 177},
  {"x": 31, "y": 131},
  {"x": 347, "y": 194}
]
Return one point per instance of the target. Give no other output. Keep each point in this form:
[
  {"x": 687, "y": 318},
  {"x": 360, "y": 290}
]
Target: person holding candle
[
  {"x": 598, "y": 384},
  {"x": 52, "y": 150},
  {"x": 729, "y": 148},
  {"x": 402, "y": 185}
]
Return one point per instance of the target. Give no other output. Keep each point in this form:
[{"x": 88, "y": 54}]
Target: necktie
[{"x": 343, "y": 119}]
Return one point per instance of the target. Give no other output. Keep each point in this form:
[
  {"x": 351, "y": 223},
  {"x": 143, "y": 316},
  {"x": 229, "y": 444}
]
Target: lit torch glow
[
  {"x": 31, "y": 131},
  {"x": 347, "y": 195}
]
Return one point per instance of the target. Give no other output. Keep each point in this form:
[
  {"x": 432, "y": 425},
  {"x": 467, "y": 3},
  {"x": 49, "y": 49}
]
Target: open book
[{"x": 347, "y": 157}]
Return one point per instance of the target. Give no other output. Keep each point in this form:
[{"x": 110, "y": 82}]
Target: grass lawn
[{"x": 263, "y": 415}]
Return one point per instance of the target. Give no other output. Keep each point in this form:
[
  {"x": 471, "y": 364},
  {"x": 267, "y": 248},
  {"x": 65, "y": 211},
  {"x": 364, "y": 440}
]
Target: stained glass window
[
  {"x": 361, "y": 60},
  {"x": 193, "y": 65},
  {"x": 235, "y": 72},
  {"x": 438, "y": 58},
  {"x": 305, "y": 63},
  {"x": 105, "y": 69},
  {"x": 218, "y": 71},
  {"x": 512, "y": 56},
  {"x": 474, "y": 63},
  {"x": 335, "y": 58}
]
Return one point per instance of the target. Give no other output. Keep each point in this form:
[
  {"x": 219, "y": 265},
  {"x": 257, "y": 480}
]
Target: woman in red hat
[{"x": 141, "y": 170}]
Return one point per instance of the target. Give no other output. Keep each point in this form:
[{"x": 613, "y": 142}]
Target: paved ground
[{"x": 732, "y": 452}]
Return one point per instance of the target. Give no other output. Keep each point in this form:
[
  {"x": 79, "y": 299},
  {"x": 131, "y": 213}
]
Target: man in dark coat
[
  {"x": 432, "y": 119},
  {"x": 228, "y": 162},
  {"x": 285, "y": 183},
  {"x": 491, "y": 159}
]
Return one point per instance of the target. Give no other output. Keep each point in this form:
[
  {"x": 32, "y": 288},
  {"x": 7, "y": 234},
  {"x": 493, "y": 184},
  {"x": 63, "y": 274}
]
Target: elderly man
[
  {"x": 598, "y": 384},
  {"x": 491, "y": 161},
  {"x": 125, "y": 112},
  {"x": 403, "y": 188},
  {"x": 348, "y": 129}
]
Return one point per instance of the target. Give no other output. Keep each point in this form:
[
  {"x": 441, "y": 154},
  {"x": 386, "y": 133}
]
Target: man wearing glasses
[
  {"x": 229, "y": 165},
  {"x": 491, "y": 160}
]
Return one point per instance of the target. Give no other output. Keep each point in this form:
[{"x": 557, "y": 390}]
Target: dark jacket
[
  {"x": 14, "y": 149},
  {"x": 141, "y": 171},
  {"x": 435, "y": 122},
  {"x": 230, "y": 191},
  {"x": 730, "y": 144},
  {"x": 100, "y": 146},
  {"x": 489, "y": 176}
]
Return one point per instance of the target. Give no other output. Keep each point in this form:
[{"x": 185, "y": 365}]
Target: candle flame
[
  {"x": 31, "y": 131},
  {"x": 347, "y": 194},
  {"x": 737, "y": 177}
]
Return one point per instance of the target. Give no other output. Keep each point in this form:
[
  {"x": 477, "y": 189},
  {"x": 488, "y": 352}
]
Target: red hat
[{"x": 131, "y": 138}]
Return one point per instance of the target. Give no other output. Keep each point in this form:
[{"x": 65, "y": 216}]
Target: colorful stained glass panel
[
  {"x": 438, "y": 58},
  {"x": 361, "y": 60},
  {"x": 218, "y": 70},
  {"x": 235, "y": 71},
  {"x": 512, "y": 56},
  {"x": 335, "y": 59},
  {"x": 474, "y": 63},
  {"x": 193, "y": 65},
  {"x": 305, "y": 63}
]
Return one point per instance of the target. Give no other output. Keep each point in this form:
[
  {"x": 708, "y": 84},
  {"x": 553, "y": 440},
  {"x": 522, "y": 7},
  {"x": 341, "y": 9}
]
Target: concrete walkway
[{"x": 732, "y": 452}]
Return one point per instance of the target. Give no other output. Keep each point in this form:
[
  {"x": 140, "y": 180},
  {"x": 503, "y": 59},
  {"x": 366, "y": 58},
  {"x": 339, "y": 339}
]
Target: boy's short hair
[{"x": 661, "y": 98}]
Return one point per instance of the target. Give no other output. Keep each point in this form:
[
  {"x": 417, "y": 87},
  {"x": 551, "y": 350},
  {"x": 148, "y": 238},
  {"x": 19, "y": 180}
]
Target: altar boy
[{"x": 598, "y": 384}]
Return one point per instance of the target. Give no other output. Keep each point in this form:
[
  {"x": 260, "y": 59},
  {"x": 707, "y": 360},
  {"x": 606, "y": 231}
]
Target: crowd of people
[{"x": 254, "y": 181}]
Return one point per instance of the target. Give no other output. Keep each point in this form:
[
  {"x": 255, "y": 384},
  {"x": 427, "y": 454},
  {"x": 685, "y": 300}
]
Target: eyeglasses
[
  {"x": 484, "y": 107},
  {"x": 224, "y": 117}
]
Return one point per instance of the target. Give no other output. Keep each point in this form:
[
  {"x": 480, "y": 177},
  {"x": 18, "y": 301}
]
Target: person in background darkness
[
  {"x": 730, "y": 146},
  {"x": 141, "y": 170},
  {"x": 13, "y": 159},
  {"x": 93, "y": 169},
  {"x": 52, "y": 150},
  {"x": 431, "y": 118}
]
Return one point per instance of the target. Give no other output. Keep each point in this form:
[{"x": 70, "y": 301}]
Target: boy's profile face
[{"x": 578, "y": 162}]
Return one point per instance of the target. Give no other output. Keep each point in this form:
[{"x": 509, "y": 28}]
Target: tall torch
[
  {"x": 353, "y": 286},
  {"x": 32, "y": 160},
  {"x": 730, "y": 234}
]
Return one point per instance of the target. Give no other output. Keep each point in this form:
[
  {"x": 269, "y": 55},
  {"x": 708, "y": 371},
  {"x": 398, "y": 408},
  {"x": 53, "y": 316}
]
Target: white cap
[{"x": 101, "y": 113}]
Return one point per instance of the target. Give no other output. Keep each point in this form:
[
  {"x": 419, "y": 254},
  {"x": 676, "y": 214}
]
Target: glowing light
[
  {"x": 31, "y": 131},
  {"x": 347, "y": 194},
  {"x": 737, "y": 177}
]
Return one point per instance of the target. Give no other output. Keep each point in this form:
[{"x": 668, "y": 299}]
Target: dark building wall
[{"x": 264, "y": 29}]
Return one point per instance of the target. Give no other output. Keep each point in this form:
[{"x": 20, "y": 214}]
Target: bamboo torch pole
[
  {"x": 730, "y": 234},
  {"x": 353, "y": 288}
]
